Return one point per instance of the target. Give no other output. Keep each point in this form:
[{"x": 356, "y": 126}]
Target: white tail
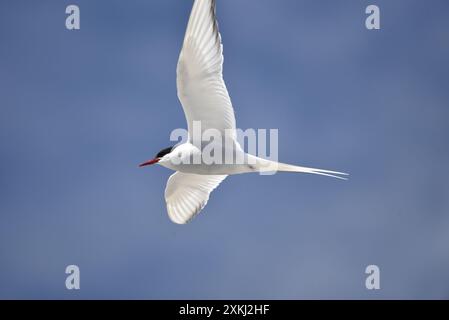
[
  {"x": 334, "y": 174},
  {"x": 264, "y": 165}
]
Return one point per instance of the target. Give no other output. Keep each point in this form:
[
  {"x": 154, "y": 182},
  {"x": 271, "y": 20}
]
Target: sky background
[{"x": 79, "y": 110}]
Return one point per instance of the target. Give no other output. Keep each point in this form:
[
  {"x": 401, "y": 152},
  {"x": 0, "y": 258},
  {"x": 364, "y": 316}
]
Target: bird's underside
[{"x": 205, "y": 100}]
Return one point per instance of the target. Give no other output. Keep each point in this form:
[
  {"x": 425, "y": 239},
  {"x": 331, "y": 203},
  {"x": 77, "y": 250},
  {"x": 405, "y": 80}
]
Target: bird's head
[{"x": 158, "y": 157}]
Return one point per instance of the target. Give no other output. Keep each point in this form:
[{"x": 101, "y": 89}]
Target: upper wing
[
  {"x": 201, "y": 88},
  {"x": 187, "y": 194}
]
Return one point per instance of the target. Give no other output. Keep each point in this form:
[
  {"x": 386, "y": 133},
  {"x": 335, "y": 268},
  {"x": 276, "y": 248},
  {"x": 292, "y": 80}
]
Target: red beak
[{"x": 149, "y": 163}]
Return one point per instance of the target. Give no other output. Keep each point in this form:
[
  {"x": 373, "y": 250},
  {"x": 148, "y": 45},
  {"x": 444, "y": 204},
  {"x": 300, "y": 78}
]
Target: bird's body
[
  {"x": 191, "y": 159},
  {"x": 205, "y": 100}
]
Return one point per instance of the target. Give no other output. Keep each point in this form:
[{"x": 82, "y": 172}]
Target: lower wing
[{"x": 187, "y": 194}]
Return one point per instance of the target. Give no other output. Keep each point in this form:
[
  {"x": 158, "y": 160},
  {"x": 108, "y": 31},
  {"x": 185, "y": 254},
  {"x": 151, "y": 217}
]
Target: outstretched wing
[
  {"x": 201, "y": 88},
  {"x": 187, "y": 194}
]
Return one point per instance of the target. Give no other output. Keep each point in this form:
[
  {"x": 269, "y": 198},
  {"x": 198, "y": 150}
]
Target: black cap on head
[{"x": 164, "y": 152}]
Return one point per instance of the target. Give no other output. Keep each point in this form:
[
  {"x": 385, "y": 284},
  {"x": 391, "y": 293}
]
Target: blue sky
[{"x": 80, "y": 109}]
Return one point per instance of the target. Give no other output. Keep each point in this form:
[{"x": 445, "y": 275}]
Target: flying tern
[{"x": 205, "y": 100}]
